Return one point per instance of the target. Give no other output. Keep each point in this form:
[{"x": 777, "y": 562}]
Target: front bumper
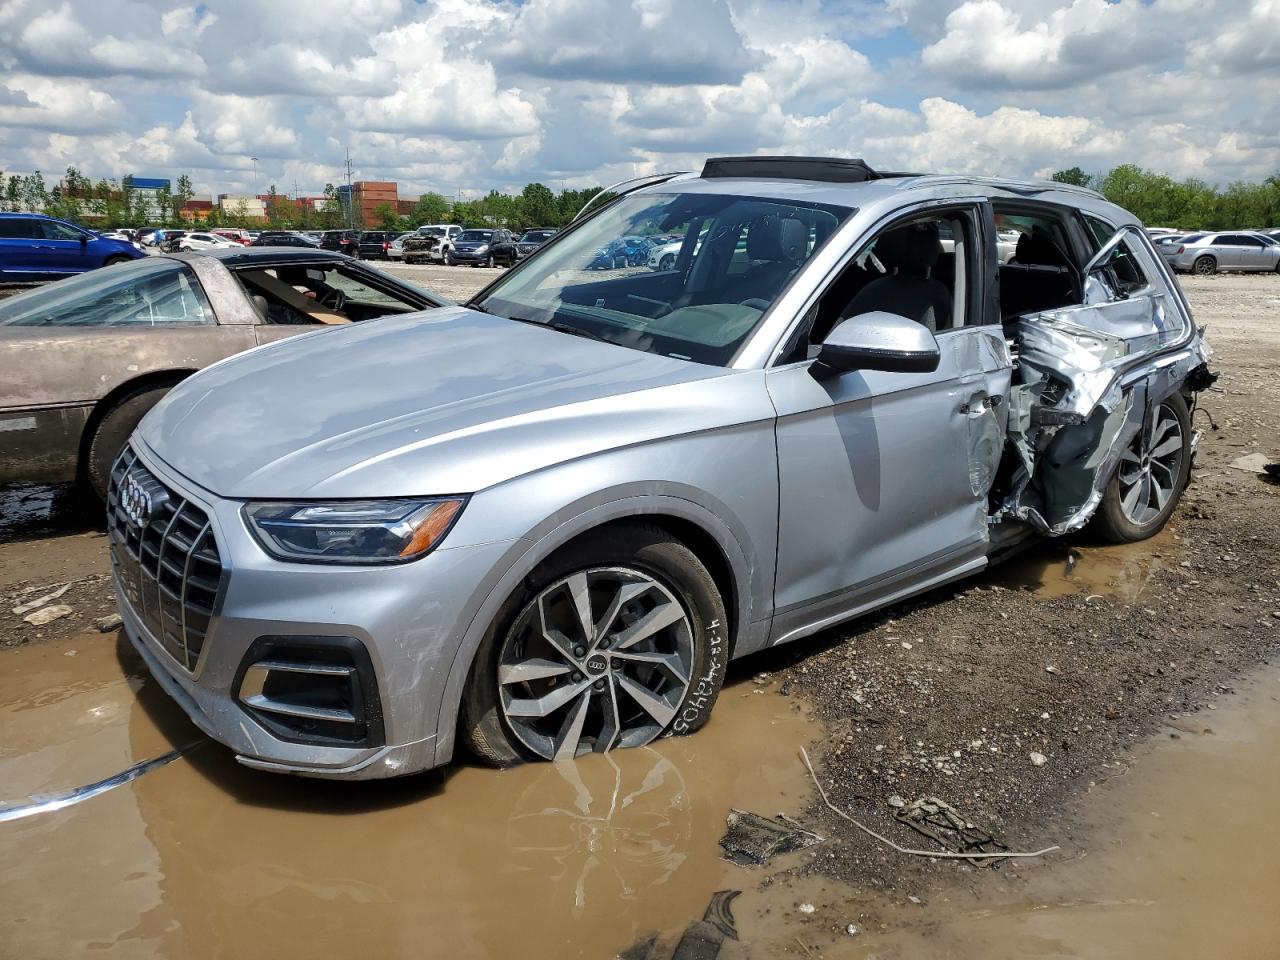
[
  {"x": 409, "y": 619},
  {"x": 470, "y": 256}
]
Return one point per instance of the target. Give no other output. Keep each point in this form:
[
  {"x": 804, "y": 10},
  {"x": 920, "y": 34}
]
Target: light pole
[{"x": 255, "y": 175}]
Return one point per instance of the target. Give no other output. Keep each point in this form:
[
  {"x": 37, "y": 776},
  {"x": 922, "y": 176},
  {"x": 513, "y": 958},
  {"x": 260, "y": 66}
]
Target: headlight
[
  {"x": 482, "y": 248},
  {"x": 352, "y": 531}
]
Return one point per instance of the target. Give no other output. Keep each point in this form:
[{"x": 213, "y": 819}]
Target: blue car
[{"x": 36, "y": 247}]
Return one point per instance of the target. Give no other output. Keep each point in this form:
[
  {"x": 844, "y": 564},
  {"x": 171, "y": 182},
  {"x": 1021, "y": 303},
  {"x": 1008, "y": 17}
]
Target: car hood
[{"x": 439, "y": 402}]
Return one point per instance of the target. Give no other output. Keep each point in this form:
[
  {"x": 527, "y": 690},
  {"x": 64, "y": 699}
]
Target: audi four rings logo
[{"x": 138, "y": 504}]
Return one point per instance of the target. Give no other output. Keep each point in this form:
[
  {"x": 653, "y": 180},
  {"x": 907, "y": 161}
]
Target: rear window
[
  {"x": 19, "y": 229},
  {"x": 156, "y": 293}
]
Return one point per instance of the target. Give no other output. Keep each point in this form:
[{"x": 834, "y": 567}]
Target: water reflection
[{"x": 610, "y": 829}]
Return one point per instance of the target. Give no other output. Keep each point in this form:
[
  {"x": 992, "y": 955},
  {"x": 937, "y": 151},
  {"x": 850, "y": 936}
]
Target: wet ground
[{"x": 203, "y": 858}]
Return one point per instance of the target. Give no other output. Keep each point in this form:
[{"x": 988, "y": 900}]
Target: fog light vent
[{"x": 311, "y": 690}]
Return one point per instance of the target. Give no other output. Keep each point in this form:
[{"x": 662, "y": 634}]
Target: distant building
[
  {"x": 241, "y": 206},
  {"x": 197, "y": 208}
]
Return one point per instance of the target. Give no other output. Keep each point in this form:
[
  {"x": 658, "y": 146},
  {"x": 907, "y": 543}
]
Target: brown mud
[{"x": 204, "y": 858}]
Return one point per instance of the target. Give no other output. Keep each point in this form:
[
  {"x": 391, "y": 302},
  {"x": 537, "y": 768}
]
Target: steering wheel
[{"x": 334, "y": 299}]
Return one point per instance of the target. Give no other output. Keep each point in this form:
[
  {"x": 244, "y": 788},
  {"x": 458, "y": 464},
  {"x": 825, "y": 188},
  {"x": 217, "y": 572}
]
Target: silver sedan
[
  {"x": 1212, "y": 252},
  {"x": 543, "y": 522}
]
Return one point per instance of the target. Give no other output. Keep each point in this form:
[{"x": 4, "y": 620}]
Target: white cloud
[{"x": 461, "y": 95}]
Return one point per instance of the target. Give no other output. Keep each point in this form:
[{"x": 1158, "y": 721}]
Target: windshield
[
  {"x": 736, "y": 256},
  {"x": 537, "y": 236},
  {"x": 475, "y": 236},
  {"x": 431, "y": 231}
]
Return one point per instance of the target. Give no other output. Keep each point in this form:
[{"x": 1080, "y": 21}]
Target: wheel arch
[
  {"x": 145, "y": 381},
  {"x": 708, "y": 536}
]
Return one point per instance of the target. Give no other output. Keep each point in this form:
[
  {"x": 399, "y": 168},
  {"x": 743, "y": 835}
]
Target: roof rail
[
  {"x": 824, "y": 169},
  {"x": 639, "y": 182}
]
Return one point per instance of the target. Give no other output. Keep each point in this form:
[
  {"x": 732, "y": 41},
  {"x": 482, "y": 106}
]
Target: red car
[{"x": 239, "y": 236}]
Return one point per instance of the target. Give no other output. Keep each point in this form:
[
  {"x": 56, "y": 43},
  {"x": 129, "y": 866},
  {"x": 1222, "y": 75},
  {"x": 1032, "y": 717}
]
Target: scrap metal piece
[
  {"x": 946, "y": 826},
  {"x": 48, "y": 803},
  {"x": 753, "y": 840}
]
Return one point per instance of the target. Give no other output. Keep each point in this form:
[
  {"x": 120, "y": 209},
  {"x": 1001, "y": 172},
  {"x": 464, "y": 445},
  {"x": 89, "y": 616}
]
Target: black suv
[
  {"x": 375, "y": 244},
  {"x": 343, "y": 241}
]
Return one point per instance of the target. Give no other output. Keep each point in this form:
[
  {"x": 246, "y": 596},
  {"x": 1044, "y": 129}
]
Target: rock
[
  {"x": 807, "y": 908},
  {"x": 760, "y": 678},
  {"x": 1252, "y": 463},
  {"x": 897, "y": 802},
  {"x": 47, "y": 614},
  {"x": 915, "y": 899},
  {"x": 108, "y": 623},
  {"x": 851, "y": 930},
  {"x": 1051, "y": 669},
  {"x": 1038, "y": 759},
  {"x": 22, "y": 608}
]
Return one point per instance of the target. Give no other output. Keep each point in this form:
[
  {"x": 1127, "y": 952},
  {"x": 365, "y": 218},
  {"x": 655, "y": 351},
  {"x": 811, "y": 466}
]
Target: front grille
[{"x": 165, "y": 558}]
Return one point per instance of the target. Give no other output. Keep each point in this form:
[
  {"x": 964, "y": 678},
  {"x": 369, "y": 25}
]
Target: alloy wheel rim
[
  {"x": 598, "y": 660},
  {"x": 1150, "y": 467}
]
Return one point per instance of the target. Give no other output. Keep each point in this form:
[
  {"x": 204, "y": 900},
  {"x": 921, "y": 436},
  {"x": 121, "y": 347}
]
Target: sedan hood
[{"x": 446, "y": 401}]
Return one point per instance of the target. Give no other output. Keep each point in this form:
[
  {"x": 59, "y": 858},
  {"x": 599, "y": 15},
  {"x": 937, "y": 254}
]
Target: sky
[{"x": 460, "y": 96}]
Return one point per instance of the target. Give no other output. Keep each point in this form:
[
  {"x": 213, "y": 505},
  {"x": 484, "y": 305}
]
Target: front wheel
[
  {"x": 112, "y": 433},
  {"x": 668, "y": 262},
  {"x": 1152, "y": 474},
  {"x": 1205, "y": 266},
  {"x": 112, "y": 261},
  {"x": 613, "y": 642}
]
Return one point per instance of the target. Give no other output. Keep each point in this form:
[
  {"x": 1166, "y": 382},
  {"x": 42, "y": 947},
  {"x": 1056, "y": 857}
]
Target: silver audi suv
[{"x": 541, "y": 523}]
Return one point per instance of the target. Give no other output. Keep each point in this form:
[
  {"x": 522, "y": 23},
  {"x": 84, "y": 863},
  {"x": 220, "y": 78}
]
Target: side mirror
[{"x": 880, "y": 341}]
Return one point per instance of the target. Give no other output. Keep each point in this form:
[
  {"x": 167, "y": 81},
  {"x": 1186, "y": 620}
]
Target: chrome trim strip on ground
[{"x": 50, "y": 803}]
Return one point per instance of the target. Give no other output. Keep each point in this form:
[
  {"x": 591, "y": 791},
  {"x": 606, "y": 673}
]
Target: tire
[
  {"x": 665, "y": 579},
  {"x": 1118, "y": 523},
  {"x": 668, "y": 262},
  {"x": 112, "y": 261},
  {"x": 1204, "y": 266},
  {"x": 112, "y": 432},
  {"x": 491, "y": 262}
]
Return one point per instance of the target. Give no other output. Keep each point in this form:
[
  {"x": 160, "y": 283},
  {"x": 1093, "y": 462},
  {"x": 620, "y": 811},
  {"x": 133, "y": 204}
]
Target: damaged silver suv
[{"x": 541, "y": 523}]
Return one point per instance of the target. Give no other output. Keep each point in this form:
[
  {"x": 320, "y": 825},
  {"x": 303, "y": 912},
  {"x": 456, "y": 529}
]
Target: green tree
[
  {"x": 430, "y": 208},
  {"x": 1074, "y": 176},
  {"x": 386, "y": 216},
  {"x": 331, "y": 213},
  {"x": 182, "y": 196},
  {"x": 538, "y": 206}
]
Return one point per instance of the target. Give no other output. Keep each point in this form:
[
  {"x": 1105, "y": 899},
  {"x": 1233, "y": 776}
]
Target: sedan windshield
[
  {"x": 475, "y": 236},
  {"x": 736, "y": 256}
]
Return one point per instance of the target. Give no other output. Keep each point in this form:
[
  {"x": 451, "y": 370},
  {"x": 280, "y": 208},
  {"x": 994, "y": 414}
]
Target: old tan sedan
[{"x": 82, "y": 360}]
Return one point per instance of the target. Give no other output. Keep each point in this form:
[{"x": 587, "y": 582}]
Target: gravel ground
[{"x": 951, "y": 695}]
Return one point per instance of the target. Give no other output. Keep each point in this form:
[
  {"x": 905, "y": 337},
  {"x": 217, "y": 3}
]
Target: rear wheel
[
  {"x": 1205, "y": 266},
  {"x": 112, "y": 433},
  {"x": 668, "y": 262},
  {"x": 1152, "y": 474},
  {"x": 615, "y": 641}
]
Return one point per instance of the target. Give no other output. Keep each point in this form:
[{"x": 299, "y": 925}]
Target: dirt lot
[{"x": 1072, "y": 651}]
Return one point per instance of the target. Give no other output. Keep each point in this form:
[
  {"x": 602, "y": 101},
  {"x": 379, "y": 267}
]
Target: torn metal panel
[{"x": 1084, "y": 386}]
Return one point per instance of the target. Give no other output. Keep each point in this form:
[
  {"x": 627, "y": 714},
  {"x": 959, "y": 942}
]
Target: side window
[
  {"x": 17, "y": 229},
  {"x": 919, "y": 269},
  {"x": 60, "y": 231},
  {"x": 1036, "y": 270},
  {"x": 1121, "y": 274},
  {"x": 166, "y": 294}
]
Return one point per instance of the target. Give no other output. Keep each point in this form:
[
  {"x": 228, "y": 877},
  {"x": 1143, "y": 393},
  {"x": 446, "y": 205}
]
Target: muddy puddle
[
  {"x": 1177, "y": 859},
  {"x": 1054, "y": 568},
  {"x": 204, "y": 858}
]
